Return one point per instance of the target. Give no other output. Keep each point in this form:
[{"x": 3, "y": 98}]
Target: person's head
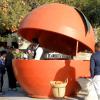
[
  {"x": 10, "y": 49},
  {"x": 35, "y": 41},
  {"x": 3, "y": 54},
  {"x": 97, "y": 46}
]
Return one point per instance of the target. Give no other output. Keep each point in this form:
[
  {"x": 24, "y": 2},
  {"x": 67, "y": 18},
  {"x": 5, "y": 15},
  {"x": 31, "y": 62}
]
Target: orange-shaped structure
[{"x": 60, "y": 28}]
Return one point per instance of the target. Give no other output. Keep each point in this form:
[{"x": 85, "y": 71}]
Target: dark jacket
[
  {"x": 8, "y": 61},
  {"x": 2, "y": 67},
  {"x": 95, "y": 64}
]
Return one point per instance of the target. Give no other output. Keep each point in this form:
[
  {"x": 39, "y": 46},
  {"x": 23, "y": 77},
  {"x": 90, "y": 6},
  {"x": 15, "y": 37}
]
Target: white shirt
[
  {"x": 25, "y": 56},
  {"x": 39, "y": 53}
]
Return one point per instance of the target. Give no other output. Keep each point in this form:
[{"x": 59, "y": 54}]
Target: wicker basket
[{"x": 58, "y": 88}]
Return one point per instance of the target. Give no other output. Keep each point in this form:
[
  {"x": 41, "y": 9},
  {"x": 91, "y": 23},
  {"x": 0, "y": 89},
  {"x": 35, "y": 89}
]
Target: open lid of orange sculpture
[{"x": 58, "y": 27}]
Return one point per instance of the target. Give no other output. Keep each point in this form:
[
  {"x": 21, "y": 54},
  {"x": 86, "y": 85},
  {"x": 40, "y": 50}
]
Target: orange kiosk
[{"x": 60, "y": 28}]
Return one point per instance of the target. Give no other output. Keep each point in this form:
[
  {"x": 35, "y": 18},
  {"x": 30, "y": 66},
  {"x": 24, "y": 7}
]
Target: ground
[{"x": 21, "y": 95}]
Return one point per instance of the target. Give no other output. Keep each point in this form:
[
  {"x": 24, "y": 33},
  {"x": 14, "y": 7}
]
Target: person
[
  {"x": 35, "y": 51},
  {"x": 25, "y": 55},
  {"x": 8, "y": 64},
  {"x": 38, "y": 51},
  {"x": 2, "y": 68},
  {"x": 95, "y": 69}
]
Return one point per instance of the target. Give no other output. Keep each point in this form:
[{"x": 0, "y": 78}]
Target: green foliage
[
  {"x": 11, "y": 13},
  {"x": 36, "y": 3},
  {"x": 97, "y": 31},
  {"x": 92, "y": 11},
  {"x": 3, "y": 39}
]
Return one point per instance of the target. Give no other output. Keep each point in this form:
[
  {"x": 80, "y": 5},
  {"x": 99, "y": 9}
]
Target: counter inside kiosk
[{"x": 59, "y": 28}]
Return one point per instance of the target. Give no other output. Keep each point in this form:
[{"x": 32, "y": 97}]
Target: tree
[
  {"x": 36, "y": 3},
  {"x": 92, "y": 11},
  {"x": 11, "y": 13}
]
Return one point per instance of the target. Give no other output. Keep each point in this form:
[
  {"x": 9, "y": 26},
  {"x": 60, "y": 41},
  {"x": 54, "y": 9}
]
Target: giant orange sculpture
[{"x": 60, "y": 28}]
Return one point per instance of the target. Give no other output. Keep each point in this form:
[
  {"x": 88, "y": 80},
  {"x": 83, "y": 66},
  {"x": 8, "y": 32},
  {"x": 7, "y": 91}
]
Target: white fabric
[
  {"x": 96, "y": 81},
  {"x": 25, "y": 56},
  {"x": 39, "y": 53},
  {"x": 92, "y": 95},
  {"x": 94, "y": 89},
  {"x": 84, "y": 83}
]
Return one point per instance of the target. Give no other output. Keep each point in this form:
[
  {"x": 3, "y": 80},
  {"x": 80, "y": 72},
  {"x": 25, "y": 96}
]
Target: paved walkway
[{"x": 21, "y": 95}]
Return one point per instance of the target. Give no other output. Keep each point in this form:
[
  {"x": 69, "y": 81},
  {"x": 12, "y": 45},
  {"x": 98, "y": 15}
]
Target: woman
[{"x": 95, "y": 69}]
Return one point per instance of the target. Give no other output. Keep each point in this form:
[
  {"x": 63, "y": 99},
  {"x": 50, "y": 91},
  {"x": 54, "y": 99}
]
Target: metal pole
[{"x": 77, "y": 47}]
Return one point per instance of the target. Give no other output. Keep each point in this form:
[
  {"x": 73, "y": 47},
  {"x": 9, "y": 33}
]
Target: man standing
[
  {"x": 38, "y": 51},
  {"x": 8, "y": 64},
  {"x": 95, "y": 69}
]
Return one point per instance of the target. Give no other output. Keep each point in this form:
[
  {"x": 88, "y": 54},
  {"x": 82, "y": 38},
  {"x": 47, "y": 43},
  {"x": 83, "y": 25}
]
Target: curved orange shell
[{"x": 58, "y": 27}]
